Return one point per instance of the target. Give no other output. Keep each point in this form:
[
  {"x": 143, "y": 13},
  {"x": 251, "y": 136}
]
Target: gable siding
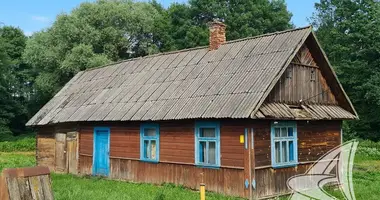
[{"x": 300, "y": 86}]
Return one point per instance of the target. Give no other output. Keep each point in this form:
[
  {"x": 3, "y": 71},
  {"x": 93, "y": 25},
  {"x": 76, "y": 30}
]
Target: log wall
[
  {"x": 45, "y": 152},
  {"x": 177, "y": 154}
]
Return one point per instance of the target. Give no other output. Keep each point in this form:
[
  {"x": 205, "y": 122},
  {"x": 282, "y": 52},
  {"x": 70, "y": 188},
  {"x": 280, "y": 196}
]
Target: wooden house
[{"x": 248, "y": 114}]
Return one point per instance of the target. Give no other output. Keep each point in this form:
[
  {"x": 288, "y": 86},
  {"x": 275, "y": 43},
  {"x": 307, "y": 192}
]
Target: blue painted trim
[
  {"x": 293, "y": 138},
  {"x": 144, "y": 126},
  {"x": 285, "y": 165},
  {"x": 96, "y": 129},
  {"x": 207, "y": 124},
  {"x": 207, "y": 166},
  {"x": 252, "y": 138},
  {"x": 246, "y": 138}
]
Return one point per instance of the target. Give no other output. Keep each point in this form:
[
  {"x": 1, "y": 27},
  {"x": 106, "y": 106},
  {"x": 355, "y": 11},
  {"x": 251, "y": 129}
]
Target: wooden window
[
  {"x": 284, "y": 144},
  {"x": 289, "y": 72},
  {"x": 207, "y": 144},
  {"x": 312, "y": 75},
  {"x": 149, "y": 142}
]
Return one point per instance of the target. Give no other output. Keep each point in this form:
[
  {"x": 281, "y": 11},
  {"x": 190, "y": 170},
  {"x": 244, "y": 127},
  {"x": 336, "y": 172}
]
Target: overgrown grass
[
  {"x": 19, "y": 144},
  {"x": 11, "y": 160}
]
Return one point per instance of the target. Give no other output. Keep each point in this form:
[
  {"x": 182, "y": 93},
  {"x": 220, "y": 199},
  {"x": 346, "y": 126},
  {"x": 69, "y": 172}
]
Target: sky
[{"x": 35, "y": 15}]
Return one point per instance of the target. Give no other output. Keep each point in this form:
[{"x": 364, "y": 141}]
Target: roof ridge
[{"x": 199, "y": 47}]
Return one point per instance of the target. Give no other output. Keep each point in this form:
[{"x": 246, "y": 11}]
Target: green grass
[
  {"x": 17, "y": 159},
  {"x": 366, "y": 176},
  {"x": 73, "y": 187}
]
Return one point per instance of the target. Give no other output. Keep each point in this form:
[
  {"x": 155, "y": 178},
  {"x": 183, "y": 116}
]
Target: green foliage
[
  {"x": 82, "y": 57},
  {"x": 243, "y": 18},
  {"x": 18, "y": 144},
  {"x": 350, "y": 34}
]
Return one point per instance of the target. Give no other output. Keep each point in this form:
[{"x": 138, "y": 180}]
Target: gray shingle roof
[
  {"x": 305, "y": 112},
  {"x": 226, "y": 83}
]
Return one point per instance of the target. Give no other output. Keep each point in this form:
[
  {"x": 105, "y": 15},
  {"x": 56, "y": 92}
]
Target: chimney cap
[{"x": 216, "y": 22}]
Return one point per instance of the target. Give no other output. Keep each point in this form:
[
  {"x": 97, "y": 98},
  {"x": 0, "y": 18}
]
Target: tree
[
  {"x": 15, "y": 85},
  {"x": 350, "y": 34},
  {"x": 92, "y": 35},
  {"x": 243, "y": 18}
]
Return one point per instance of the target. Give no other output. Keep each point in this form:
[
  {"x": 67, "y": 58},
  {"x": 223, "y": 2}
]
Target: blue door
[{"x": 101, "y": 151}]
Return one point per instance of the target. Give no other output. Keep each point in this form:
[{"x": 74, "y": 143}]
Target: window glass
[
  {"x": 146, "y": 150},
  {"x": 291, "y": 151},
  {"x": 202, "y": 151},
  {"x": 290, "y": 132},
  {"x": 211, "y": 153},
  {"x": 149, "y": 132},
  {"x": 207, "y": 132},
  {"x": 153, "y": 149},
  {"x": 277, "y": 132},
  {"x": 284, "y": 132},
  {"x": 277, "y": 151},
  {"x": 284, "y": 152}
]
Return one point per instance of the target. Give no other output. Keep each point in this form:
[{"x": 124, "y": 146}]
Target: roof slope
[{"x": 226, "y": 83}]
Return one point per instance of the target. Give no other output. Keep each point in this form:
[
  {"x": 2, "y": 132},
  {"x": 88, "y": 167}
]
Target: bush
[
  {"x": 19, "y": 144},
  {"x": 369, "y": 149}
]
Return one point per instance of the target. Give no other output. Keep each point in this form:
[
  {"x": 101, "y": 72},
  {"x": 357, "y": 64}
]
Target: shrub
[
  {"x": 369, "y": 149},
  {"x": 21, "y": 144}
]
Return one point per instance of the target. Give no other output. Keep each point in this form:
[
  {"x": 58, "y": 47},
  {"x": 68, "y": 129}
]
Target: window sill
[
  {"x": 284, "y": 166},
  {"x": 150, "y": 161},
  {"x": 208, "y": 166}
]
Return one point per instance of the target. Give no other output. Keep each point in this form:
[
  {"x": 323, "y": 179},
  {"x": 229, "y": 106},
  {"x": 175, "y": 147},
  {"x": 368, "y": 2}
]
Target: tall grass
[
  {"x": 369, "y": 150},
  {"x": 19, "y": 144}
]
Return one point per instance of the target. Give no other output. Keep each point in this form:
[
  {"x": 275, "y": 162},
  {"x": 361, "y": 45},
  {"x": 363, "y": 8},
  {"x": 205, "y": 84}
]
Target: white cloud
[{"x": 40, "y": 19}]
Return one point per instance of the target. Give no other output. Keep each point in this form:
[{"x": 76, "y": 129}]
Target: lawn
[
  {"x": 72, "y": 187},
  {"x": 366, "y": 182}
]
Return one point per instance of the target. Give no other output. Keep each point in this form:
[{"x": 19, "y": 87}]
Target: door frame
[
  {"x": 96, "y": 129},
  {"x": 250, "y": 189}
]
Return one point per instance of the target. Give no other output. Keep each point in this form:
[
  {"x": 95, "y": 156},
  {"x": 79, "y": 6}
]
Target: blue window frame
[
  {"x": 207, "y": 144},
  {"x": 284, "y": 144},
  {"x": 150, "y": 142}
]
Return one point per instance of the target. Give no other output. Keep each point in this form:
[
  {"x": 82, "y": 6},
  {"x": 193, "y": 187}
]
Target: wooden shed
[{"x": 248, "y": 113}]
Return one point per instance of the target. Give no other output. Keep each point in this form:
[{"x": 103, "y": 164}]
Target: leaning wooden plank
[
  {"x": 46, "y": 187},
  {"x": 24, "y": 188},
  {"x": 36, "y": 188},
  {"x": 13, "y": 189}
]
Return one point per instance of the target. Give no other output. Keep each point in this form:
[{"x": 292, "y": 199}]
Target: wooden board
[
  {"x": 223, "y": 180},
  {"x": 60, "y": 153},
  {"x": 72, "y": 152},
  {"x": 45, "y": 152},
  {"x": 297, "y": 83},
  {"x": 26, "y": 184}
]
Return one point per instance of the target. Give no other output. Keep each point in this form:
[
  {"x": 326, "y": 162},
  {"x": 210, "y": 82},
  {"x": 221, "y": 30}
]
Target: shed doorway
[{"x": 66, "y": 154}]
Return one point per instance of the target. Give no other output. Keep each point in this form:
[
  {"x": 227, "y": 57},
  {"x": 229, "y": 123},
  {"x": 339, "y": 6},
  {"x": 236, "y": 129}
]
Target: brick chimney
[{"x": 217, "y": 34}]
